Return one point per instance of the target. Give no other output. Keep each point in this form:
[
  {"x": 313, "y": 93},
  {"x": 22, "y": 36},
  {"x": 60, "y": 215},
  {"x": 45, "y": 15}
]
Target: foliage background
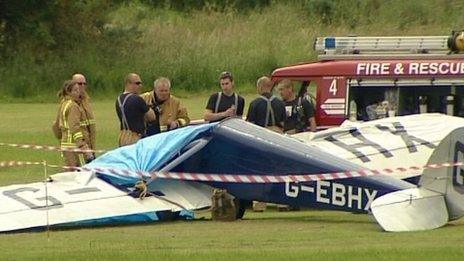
[{"x": 42, "y": 43}]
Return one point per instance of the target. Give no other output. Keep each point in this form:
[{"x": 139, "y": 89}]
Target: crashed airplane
[{"x": 257, "y": 164}]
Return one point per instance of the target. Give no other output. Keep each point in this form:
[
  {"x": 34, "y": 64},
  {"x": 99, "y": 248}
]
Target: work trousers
[
  {"x": 128, "y": 137},
  {"x": 73, "y": 159}
]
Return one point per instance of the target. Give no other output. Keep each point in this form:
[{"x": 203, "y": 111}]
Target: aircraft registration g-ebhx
[{"x": 253, "y": 163}]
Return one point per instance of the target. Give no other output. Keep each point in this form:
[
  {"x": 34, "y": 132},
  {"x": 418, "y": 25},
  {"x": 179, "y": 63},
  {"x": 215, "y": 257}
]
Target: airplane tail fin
[
  {"x": 448, "y": 181},
  {"x": 438, "y": 198}
]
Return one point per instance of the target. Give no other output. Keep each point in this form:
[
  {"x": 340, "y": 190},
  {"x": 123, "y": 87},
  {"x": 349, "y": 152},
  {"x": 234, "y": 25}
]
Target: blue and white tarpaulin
[{"x": 148, "y": 154}]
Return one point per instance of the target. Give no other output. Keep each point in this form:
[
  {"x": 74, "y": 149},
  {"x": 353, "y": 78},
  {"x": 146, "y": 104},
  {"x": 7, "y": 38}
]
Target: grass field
[{"x": 272, "y": 235}]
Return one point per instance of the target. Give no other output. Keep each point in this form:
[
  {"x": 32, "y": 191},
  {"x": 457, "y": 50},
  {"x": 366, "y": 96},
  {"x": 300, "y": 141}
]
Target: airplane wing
[
  {"x": 89, "y": 198},
  {"x": 72, "y": 198},
  {"x": 387, "y": 143},
  {"x": 239, "y": 147}
]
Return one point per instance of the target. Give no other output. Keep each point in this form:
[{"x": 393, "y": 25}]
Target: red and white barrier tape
[
  {"x": 292, "y": 177},
  {"x": 48, "y": 148},
  {"x": 5, "y": 164},
  {"x": 244, "y": 178}
]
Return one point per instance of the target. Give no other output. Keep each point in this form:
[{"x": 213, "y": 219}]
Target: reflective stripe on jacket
[{"x": 73, "y": 134}]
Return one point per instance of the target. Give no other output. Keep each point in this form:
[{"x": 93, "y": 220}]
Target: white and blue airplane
[{"x": 412, "y": 199}]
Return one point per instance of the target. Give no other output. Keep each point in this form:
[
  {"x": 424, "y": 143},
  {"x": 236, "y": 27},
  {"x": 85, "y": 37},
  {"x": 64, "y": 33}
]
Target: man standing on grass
[
  {"x": 89, "y": 123},
  {"x": 169, "y": 111},
  {"x": 299, "y": 112},
  {"x": 267, "y": 110},
  {"x": 132, "y": 111},
  {"x": 226, "y": 103},
  {"x": 222, "y": 105}
]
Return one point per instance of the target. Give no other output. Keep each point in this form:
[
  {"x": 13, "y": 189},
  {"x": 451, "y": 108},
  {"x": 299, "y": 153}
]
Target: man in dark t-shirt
[
  {"x": 299, "y": 111},
  {"x": 267, "y": 110},
  {"x": 226, "y": 103},
  {"x": 132, "y": 111}
]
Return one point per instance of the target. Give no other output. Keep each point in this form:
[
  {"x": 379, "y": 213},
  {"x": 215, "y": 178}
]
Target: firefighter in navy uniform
[
  {"x": 226, "y": 103},
  {"x": 222, "y": 105},
  {"x": 267, "y": 110},
  {"x": 299, "y": 111},
  {"x": 132, "y": 111},
  {"x": 72, "y": 134},
  {"x": 169, "y": 111}
]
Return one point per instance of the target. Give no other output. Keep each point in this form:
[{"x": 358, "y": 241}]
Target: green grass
[
  {"x": 272, "y": 235},
  {"x": 308, "y": 234}
]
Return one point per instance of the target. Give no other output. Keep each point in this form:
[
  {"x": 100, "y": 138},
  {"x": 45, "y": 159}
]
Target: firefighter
[
  {"x": 89, "y": 122},
  {"x": 169, "y": 111},
  {"x": 132, "y": 111},
  {"x": 73, "y": 135},
  {"x": 226, "y": 103},
  {"x": 300, "y": 113},
  {"x": 267, "y": 110}
]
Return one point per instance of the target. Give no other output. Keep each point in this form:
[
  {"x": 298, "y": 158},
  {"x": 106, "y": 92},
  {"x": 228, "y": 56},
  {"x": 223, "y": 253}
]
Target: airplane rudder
[{"x": 448, "y": 180}]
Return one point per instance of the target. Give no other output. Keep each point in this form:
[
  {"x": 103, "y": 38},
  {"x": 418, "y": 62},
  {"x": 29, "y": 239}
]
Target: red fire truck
[{"x": 409, "y": 74}]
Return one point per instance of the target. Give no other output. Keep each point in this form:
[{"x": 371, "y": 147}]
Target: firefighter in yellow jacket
[
  {"x": 169, "y": 111},
  {"x": 89, "y": 122},
  {"x": 72, "y": 133}
]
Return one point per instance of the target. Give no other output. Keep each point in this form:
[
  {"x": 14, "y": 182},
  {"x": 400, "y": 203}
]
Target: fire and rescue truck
[{"x": 405, "y": 75}]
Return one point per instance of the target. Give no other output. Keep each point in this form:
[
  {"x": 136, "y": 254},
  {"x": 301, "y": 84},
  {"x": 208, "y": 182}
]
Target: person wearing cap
[
  {"x": 267, "y": 110},
  {"x": 169, "y": 111},
  {"x": 225, "y": 103},
  {"x": 299, "y": 112},
  {"x": 132, "y": 111}
]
